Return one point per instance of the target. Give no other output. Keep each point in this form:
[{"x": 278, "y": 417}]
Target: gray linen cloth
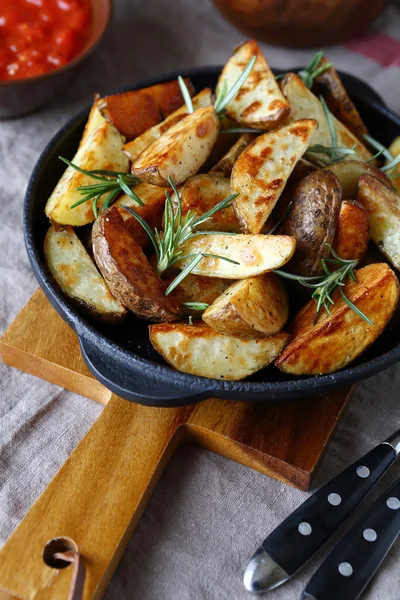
[{"x": 207, "y": 514}]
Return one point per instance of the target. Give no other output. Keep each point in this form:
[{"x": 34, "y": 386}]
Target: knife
[
  {"x": 354, "y": 561},
  {"x": 292, "y": 544}
]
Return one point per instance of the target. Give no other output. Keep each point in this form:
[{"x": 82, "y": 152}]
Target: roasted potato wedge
[
  {"x": 202, "y": 192},
  {"x": 134, "y": 148},
  {"x": 255, "y": 254},
  {"x": 352, "y": 231},
  {"x": 77, "y": 276},
  {"x": 154, "y": 201},
  {"x": 350, "y": 171},
  {"x": 330, "y": 86},
  {"x": 250, "y": 308},
  {"x": 262, "y": 170},
  {"x": 334, "y": 342},
  {"x": 95, "y": 119},
  {"x": 225, "y": 165},
  {"x": 135, "y": 111},
  {"x": 394, "y": 149},
  {"x": 195, "y": 288},
  {"x": 101, "y": 150},
  {"x": 383, "y": 208},
  {"x": 260, "y": 102},
  {"x": 180, "y": 151},
  {"x": 305, "y": 105},
  {"x": 199, "y": 350},
  {"x": 312, "y": 221},
  {"x": 127, "y": 271}
]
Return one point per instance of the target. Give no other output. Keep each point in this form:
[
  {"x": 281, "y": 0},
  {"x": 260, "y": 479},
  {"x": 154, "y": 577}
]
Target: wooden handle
[{"x": 96, "y": 499}]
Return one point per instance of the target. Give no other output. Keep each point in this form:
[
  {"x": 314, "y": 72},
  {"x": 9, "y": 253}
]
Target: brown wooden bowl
[
  {"x": 301, "y": 23},
  {"x": 24, "y": 96}
]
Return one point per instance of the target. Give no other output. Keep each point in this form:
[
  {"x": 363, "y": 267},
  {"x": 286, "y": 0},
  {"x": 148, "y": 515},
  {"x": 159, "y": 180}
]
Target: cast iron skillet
[{"x": 122, "y": 358}]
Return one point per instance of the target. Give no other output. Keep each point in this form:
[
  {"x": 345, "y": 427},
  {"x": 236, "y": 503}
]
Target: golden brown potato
[
  {"x": 251, "y": 308},
  {"x": 383, "y": 208},
  {"x": 134, "y": 148},
  {"x": 154, "y": 201},
  {"x": 262, "y": 170},
  {"x": 202, "y": 192},
  {"x": 95, "y": 119},
  {"x": 225, "y": 165},
  {"x": 127, "y": 271},
  {"x": 135, "y": 111},
  {"x": 334, "y": 342},
  {"x": 101, "y": 150},
  {"x": 349, "y": 172},
  {"x": 77, "y": 276},
  {"x": 199, "y": 350},
  {"x": 304, "y": 105},
  {"x": 180, "y": 151},
  {"x": 255, "y": 254},
  {"x": 195, "y": 288},
  {"x": 352, "y": 231},
  {"x": 332, "y": 89},
  {"x": 259, "y": 103},
  {"x": 312, "y": 221},
  {"x": 394, "y": 149}
]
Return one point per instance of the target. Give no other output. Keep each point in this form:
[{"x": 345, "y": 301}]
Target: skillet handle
[{"x": 139, "y": 383}]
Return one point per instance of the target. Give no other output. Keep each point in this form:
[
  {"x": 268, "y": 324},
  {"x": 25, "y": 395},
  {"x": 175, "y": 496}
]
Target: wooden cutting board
[{"x": 98, "y": 496}]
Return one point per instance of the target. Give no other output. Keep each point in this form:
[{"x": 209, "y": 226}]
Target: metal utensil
[
  {"x": 292, "y": 544},
  {"x": 354, "y": 561}
]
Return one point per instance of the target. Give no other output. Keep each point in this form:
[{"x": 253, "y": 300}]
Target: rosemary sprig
[
  {"x": 382, "y": 150},
  {"x": 111, "y": 183},
  {"x": 198, "y": 306},
  {"x": 186, "y": 96},
  {"x": 179, "y": 229},
  {"x": 313, "y": 69},
  {"x": 325, "y": 284}
]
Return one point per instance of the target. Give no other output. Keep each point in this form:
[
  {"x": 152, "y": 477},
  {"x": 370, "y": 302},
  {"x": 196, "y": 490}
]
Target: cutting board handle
[{"x": 95, "y": 500}]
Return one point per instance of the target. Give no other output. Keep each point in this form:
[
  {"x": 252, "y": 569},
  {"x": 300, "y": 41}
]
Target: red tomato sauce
[{"x": 37, "y": 36}]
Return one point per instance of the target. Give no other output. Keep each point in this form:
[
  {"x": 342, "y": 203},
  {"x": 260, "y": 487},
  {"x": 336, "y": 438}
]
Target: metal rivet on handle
[
  {"x": 304, "y": 528},
  {"x": 370, "y": 535},
  {"x": 363, "y": 472},
  {"x": 345, "y": 569},
  {"x": 334, "y": 499},
  {"x": 393, "y": 503}
]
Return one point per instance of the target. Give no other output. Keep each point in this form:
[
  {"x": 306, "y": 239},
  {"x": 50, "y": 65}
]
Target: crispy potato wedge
[
  {"x": 95, "y": 119},
  {"x": 199, "y": 350},
  {"x": 134, "y": 148},
  {"x": 305, "y": 105},
  {"x": 349, "y": 172},
  {"x": 135, "y": 111},
  {"x": 334, "y": 342},
  {"x": 260, "y": 102},
  {"x": 195, "y": 288},
  {"x": 262, "y": 170},
  {"x": 154, "y": 201},
  {"x": 330, "y": 86},
  {"x": 256, "y": 254},
  {"x": 383, "y": 208},
  {"x": 101, "y": 150},
  {"x": 77, "y": 276},
  {"x": 127, "y": 271},
  {"x": 312, "y": 221},
  {"x": 202, "y": 192},
  {"x": 180, "y": 151},
  {"x": 394, "y": 149},
  {"x": 250, "y": 308},
  {"x": 225, "y": 165},
  {"x": 352, "y": 231}
]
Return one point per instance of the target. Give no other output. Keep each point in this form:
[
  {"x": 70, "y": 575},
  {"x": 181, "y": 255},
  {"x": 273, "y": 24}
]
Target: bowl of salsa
[{"x": 42, "y": 43}]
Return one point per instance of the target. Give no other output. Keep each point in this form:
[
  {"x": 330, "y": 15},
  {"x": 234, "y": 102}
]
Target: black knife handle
[
  {"x": 299, "y": 536},
  {"x": 354, "y": 561}
]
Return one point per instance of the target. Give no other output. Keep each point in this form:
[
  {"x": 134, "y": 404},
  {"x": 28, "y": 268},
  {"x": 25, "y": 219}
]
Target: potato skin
[
  {"x": 312, "y": 220},
  {"x": 127, "y": 271},
  {"x": 334, "y": 342},
  {"x": 250, "y": 309},
  {"x": 352, "y": 231}
]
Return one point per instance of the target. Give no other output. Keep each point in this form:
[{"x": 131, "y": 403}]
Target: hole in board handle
[{"x": 55, "y": 546}]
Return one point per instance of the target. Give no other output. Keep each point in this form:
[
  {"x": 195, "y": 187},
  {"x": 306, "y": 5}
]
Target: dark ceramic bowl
[
  {"x": 23, "y": 96},
  {"x": 123, "y": 358}
]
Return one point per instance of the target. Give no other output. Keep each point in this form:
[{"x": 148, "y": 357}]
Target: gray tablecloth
[{"x": 208, "y": 514}]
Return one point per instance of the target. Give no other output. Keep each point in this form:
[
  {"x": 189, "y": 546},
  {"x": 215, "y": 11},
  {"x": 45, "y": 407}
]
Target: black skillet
[{"x": 122, "y": 358}]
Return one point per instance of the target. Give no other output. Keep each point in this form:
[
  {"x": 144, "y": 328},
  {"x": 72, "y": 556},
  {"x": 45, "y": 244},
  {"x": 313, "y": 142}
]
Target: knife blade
[
  {"x": 293, "y": 543},
  {"x": 351, "y": 565}
]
